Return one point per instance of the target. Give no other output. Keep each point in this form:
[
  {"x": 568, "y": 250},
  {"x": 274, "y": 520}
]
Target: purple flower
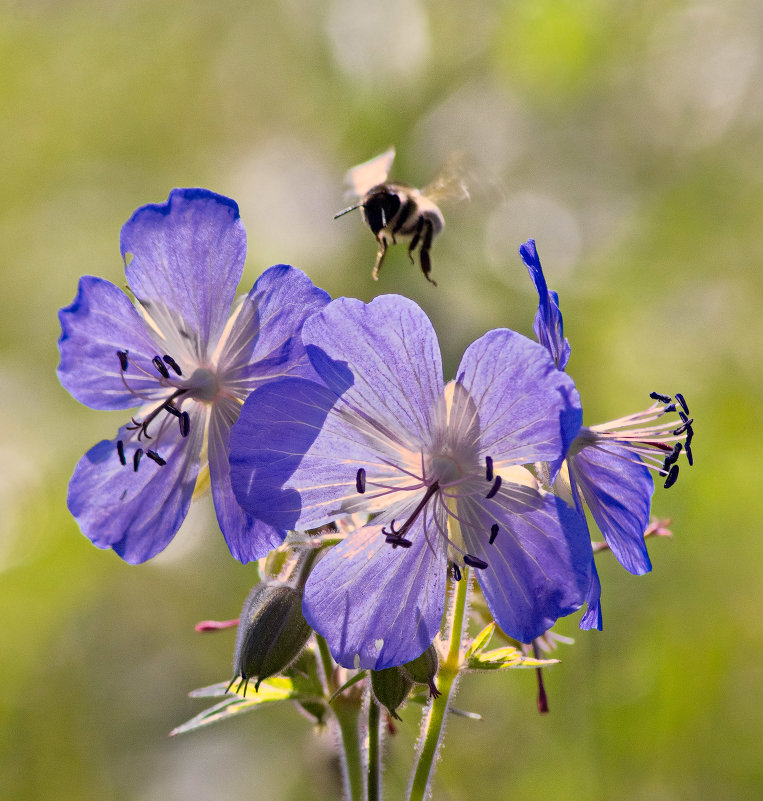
[
  {"x": 440, "y": 468},
  {"x": 188, "y": 359},
  {"x": 609, "y": 465}
]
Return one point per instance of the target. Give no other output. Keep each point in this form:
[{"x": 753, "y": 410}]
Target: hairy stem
[
  {"x": 437, "y": 711},
  {"x": 327, "y": 664},
  {"x": 374, "y": 751},
  {"x": 347, "y": 712}
]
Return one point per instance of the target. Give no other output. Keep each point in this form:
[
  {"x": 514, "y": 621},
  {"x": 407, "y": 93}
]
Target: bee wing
[
  {"x": 370, "y": 173},
  {"x": 451, "y": 182}
]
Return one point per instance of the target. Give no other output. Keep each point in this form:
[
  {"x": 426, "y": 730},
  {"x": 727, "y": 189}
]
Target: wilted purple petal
[{"x": 548, "y": 324}]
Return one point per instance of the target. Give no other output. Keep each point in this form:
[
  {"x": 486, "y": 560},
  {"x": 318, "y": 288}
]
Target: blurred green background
[{"x": 625, "y": 137}]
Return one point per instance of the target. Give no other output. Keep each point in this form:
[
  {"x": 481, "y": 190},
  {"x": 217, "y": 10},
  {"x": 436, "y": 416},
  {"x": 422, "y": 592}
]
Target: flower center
[
  {"x": 445, "y": 468},
  {"x": 442, "y": 471},
  {"x": 168, "y": 373},
  {"x": 204, "y": 385}
]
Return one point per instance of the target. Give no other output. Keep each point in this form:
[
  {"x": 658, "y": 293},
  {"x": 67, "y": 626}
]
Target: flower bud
[
  {"x": 423, "y": 669},
  {"x": 391, "y": 687},
  {"x": 271, "y": 632}
]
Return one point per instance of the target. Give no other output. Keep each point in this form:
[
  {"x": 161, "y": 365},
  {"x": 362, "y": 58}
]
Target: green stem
[
  {"x": 347, "y": 712},
  {"x": 374, "y": 751},
  {"x": 327, "y": 663},
  {"x": 438, "y": 708}
]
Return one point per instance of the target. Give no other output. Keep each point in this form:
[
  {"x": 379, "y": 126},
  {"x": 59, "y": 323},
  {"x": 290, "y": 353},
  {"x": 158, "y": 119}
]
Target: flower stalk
[
  {"x": 347, "y": 714},
  {"x": 447, "y": 681},
  {"x": 374, "y": 751}
]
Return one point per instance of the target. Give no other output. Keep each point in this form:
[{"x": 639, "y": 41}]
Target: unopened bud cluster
[
  {"x": 271, "y": 633},
  {"x": 392, "y": 686}
]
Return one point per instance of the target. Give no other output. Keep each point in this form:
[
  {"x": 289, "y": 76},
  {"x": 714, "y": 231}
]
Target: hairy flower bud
[
  {"x": 391, "y": 687},
  {"x": 271, "y": 632},
  {"x": 423, "y": 669}
]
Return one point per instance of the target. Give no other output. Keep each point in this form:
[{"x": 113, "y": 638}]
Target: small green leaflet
[
  {"x": 504, "y": 659},
  {"x": 479, "y": 642},
  {"x": 477, "y": 658},
  {"x": 273, "y": 690}
]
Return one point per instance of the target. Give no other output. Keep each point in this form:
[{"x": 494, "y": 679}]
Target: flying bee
[{"x": 396, "y": 212}]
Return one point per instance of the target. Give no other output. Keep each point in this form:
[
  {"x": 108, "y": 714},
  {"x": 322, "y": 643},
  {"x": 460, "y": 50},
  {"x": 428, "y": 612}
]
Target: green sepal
[
  {"x": 390, "y": 687},
  {"x": 423, "y": 668}
]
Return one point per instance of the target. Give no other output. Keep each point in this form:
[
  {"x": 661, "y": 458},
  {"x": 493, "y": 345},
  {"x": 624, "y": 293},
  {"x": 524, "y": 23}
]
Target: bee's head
[{"x": 379, "y": 206}]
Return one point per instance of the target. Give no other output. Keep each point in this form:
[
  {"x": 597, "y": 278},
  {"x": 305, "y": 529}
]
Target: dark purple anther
[
  {"x": 168, "y": 407},
  {"x": 493, "y": 532},
  {"x": 494, "y": 489},
  {"x": 686, "y": 425},
  {"x": 185, "y": 424},
  {"x": 473, "y": 561},
  {"x": 154, "y": 456},
  {"x": 121, "y": 451},
  {"x": 395, "y": 538},
  {"x": 689, "y": 437},
  {"x": 136, "y": 457},
  {"x": 173, "y": 364},
  {"x": 122, "y": 359},
  {"x": 672, "y": 457},
  {"x": 659, "y": 397},
  {"x": 360, "y": 480},
  {"x": 680, "y": 398},
  {"x": 456, "y": 572},
  {"x": 488, "y": 468},
  {"x": 671, "y": 407},
  {"x": 672, "y": 477},
  {"x": 160, "y": 367}
]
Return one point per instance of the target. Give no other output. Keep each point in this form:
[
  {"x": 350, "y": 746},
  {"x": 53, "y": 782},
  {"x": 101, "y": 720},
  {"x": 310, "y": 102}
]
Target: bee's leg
[
  {"x": 416, "y": 237},
  {"x": 424, "y": 260},
  {"x": 380, "y": 254}
]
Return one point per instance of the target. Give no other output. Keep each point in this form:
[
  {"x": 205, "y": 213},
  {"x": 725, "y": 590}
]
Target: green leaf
[
  {"x": 505, "y": 659},
  {"x": 273, "y": 690},
  {"x": 353, "y": 680},
  {"x": 480, "y": 641}
]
